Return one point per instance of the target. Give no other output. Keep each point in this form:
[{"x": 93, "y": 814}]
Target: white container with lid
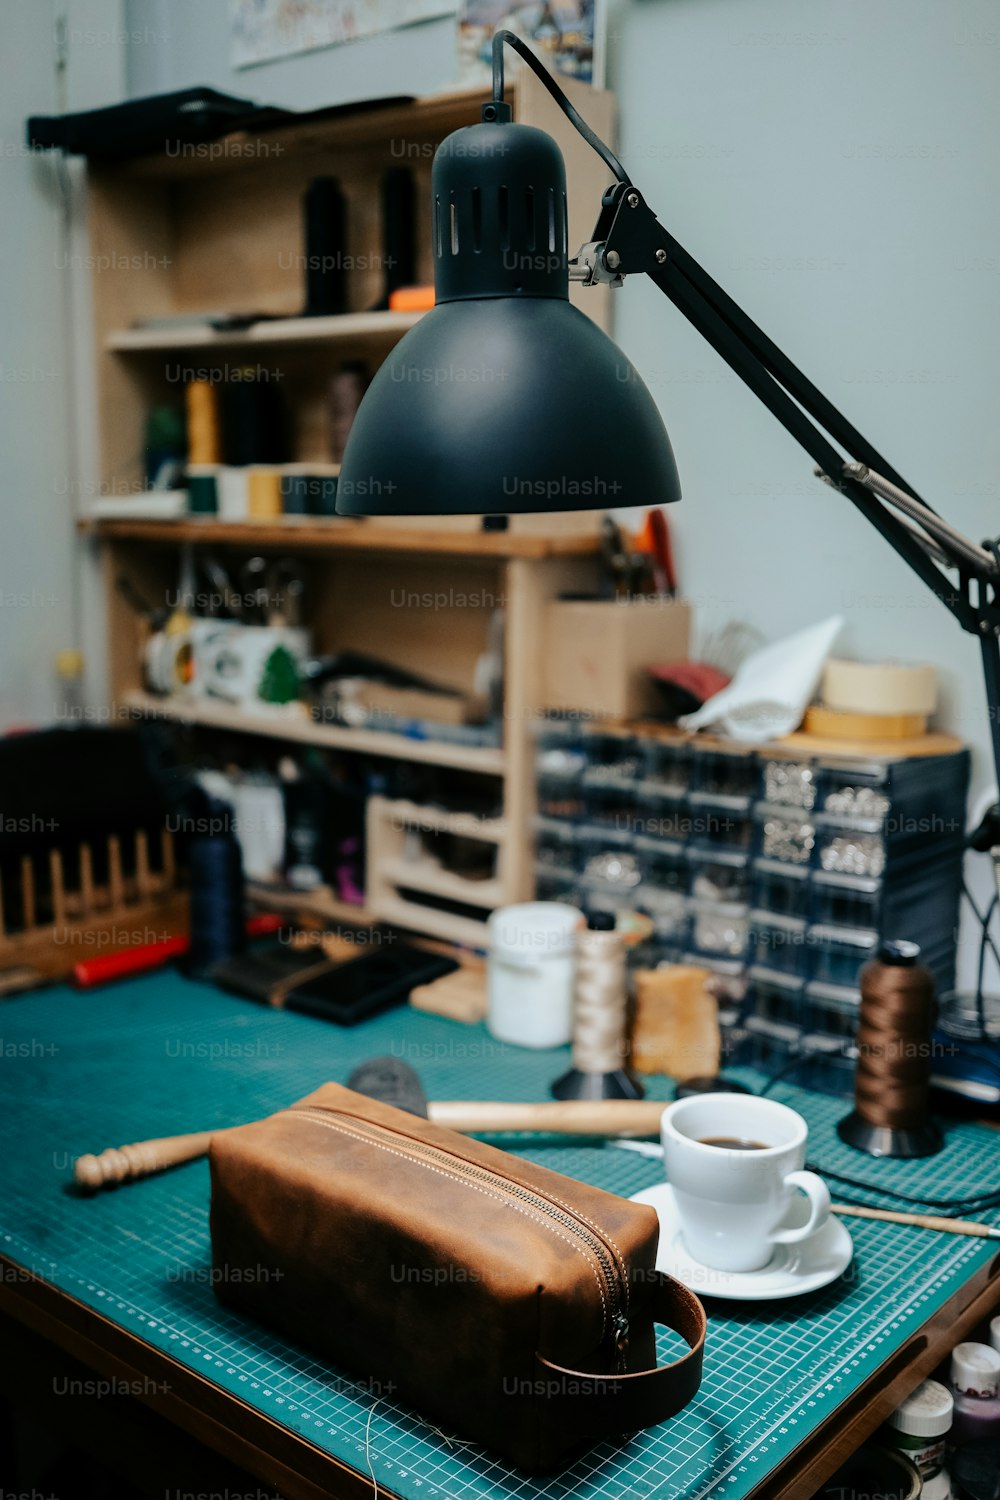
[
  {"x": 975, "y": 1370},
  {"x": 530, "y": 973},
  {"x": 920, "y": 1425}
]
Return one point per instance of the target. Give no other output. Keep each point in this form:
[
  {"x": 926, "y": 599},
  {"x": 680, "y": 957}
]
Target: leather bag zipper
[{"x": 616, "y": 1327}]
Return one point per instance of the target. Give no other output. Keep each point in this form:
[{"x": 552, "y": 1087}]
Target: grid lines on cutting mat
[{"x": 162, "y": 1055}]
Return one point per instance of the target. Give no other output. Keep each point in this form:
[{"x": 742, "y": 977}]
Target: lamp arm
[{"x": 628, "y": 239}]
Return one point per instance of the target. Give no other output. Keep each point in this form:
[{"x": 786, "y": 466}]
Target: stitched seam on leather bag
[
  {"x": 458, "y": 1176},
  {"x": 601, "y": 1233}
]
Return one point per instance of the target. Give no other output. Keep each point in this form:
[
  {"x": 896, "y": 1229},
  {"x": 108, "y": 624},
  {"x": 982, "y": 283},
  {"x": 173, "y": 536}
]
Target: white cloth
[{"x": 772, "y": 689}]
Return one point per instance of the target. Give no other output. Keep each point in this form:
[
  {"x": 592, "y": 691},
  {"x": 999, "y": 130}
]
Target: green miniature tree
[{"x": 279, "y": 682}]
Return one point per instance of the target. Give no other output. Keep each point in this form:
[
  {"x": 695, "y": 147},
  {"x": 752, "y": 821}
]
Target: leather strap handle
[{"x": 625, "y": 1403}]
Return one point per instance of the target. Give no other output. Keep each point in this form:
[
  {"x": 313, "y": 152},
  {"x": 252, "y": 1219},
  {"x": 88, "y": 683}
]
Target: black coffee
[{"x": 731, "y": 1143}]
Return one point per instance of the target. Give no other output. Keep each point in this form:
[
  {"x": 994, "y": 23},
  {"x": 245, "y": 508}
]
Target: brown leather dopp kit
[{"x": 507, "y": 1303}]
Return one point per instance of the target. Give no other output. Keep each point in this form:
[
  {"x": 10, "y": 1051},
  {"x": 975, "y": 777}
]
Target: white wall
[
  {"x": 834, "y": 166},
  {"x": 176, "y": 44},
  {"x": 48, "y": 593}
]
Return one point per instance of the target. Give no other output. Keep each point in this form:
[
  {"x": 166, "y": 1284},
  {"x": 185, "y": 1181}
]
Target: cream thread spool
[{"x": 600, "y": 999}]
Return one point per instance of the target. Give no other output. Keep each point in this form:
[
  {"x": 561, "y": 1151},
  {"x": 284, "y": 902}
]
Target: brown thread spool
[{"x": 891, "y": 1115}]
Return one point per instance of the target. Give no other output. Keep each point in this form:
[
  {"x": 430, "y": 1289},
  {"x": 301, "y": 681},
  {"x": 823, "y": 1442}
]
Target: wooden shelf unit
[
  {"x": 301, "y": 730},
  {"x": 192, "y": 235},
  {"x": 394, "y": 534},
  {"x": 399, "y": 876},
  {"x": 346, "y": 328}
]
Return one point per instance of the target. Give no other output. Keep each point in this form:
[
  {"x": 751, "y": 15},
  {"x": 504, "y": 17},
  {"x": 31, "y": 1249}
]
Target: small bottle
[
  {"x": 308, "y": 819},
  {"x": 995, "y": 1334},
  {"x": 215, "y": 867},
  {"x": 920, "y": 1426},
  {"x": 975, "y": 1385},
  {"x": 70, "y": 702}
]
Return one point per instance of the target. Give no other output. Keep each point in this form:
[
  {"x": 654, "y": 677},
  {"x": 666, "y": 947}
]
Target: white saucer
[{"x": 792, "y": 1270}]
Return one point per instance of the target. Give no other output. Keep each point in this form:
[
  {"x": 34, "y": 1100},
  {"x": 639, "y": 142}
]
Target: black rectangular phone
[{"x": 362, "y": 987}]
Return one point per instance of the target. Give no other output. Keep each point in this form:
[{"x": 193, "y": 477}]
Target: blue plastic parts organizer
[
  {"x": 780, "y": 872},
  {"x": 160, "y": 1055}
]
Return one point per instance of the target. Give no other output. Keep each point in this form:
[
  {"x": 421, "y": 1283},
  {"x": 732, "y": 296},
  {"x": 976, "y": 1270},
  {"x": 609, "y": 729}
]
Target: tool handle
[
  {"x": 921, "y": 1221},
  {"x": 110, "y": 966},
  {"x": 602, "y": 1117},
  {"x": 142, "y": 1159}
]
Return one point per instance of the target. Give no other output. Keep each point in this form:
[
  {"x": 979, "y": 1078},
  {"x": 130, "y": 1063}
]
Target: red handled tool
[{"x": 111, "y": 966}]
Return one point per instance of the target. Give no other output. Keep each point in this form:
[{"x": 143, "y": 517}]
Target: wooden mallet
[{"x": 597, "y": 1117}]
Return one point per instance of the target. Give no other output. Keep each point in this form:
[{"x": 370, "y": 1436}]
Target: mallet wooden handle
[
  {"x": 143, "y": 1159},
  {"x": 600, "y": 1117}
]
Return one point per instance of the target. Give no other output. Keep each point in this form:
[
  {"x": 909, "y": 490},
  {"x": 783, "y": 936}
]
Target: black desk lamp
[{"x": 505, "y": 398}]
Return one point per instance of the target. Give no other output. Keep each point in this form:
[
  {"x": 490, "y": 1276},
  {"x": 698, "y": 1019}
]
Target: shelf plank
[
  {"x": 360, "y": 126},
  {"x": 425, "y": 875},
  {"x": 344, "y": 536},
  {"x": 210, "y": 715},
  {"x": 318, "y": 903},
  {"x": 427, "y": 919},
  {"x": 440, "y": 819},
  {"x": 347, "y": 328}
]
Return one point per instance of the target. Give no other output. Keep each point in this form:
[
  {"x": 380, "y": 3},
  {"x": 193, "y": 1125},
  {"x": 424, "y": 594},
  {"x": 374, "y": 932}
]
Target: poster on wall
[
  {"x": 262, "y": 30},
  {"x": 569, "y": 35}
]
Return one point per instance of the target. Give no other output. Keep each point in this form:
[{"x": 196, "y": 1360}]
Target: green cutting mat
[{"x": 160, "y": 1055}]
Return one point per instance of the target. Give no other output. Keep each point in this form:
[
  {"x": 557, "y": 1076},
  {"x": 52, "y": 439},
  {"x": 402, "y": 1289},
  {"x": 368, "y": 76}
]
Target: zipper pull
[{"x": 619, "y": 1324}]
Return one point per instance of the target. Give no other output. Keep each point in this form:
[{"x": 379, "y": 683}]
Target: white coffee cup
[{"x": 735, "y": 1204}]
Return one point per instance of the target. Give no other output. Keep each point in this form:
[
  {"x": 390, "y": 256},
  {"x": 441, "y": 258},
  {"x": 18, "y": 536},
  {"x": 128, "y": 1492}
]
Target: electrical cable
[
  {"x": 548, "y": 82},
  {"x": 789, "y": 1068},
  {"x": 980, "y": 998},
  {"x": 986, "y": 941},
  {"x": 980, "y": 919},
  {"x": 946, "y": 1207}
]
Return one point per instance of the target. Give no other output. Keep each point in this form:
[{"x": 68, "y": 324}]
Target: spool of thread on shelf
[
  {"x": 218, "y": 924},
  {"x": 203, "y": 442},
  {"x": 347, "y": 389},
  {"x": 253, "y": 418},
  {"x": 399, "y": 231},
  {"x": 203, "y": 489},
  {"x": 325, "y": 235},
  {"x": 892, "y": 1079},
  {"x": 599, "y": 1018},
  {"x": 263, "y": 493}
]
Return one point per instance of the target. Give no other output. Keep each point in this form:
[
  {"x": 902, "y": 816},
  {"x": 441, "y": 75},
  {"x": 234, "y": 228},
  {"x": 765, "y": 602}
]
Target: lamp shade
[{"x": 504, "y": 398}]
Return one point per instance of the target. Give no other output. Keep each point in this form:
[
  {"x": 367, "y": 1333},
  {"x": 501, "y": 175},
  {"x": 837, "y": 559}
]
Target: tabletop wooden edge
[
  {"x": 302, "y": 1471},
  {"x": 819, "y": 1456},
  {"x": 205, "y": 1410}
]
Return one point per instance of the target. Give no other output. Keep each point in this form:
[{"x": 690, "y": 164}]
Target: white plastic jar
[{"x": 530, "y": 973}]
